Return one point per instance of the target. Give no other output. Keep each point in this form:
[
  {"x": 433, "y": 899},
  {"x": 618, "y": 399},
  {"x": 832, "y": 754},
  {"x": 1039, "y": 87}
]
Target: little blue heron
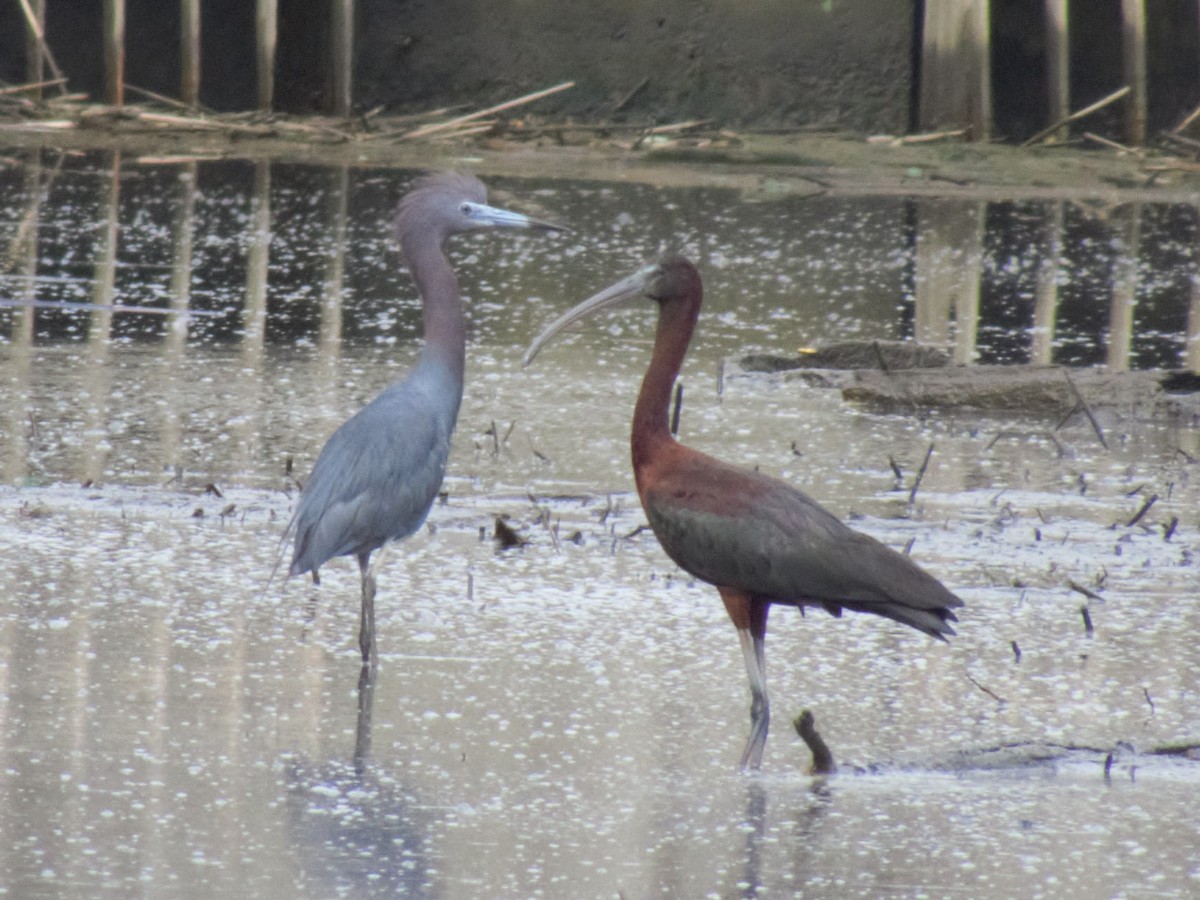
[
  {"x": 378, "y": 474},
  {"x": 757, "y": 539}
]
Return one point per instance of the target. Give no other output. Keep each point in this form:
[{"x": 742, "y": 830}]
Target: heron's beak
[
  {"x": 627, "y": 288},
  {"x": 494, "y": 217}
]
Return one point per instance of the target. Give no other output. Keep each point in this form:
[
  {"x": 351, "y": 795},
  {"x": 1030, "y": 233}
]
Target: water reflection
[
  {"x": 355, "y": 831},
  {"x": 302, "y": 253},
  {"x": 538, "y": 733},
  {"x": 949, "y": 274}
]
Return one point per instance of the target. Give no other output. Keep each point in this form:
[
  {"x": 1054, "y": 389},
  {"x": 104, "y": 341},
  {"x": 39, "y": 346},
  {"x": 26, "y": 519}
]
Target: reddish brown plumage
[{"x": 757, "y": 539}]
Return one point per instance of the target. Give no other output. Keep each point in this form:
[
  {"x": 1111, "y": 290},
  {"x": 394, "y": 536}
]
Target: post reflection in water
[
  {"x": 949, "y": 257},
  {"x": 23, "y": 260},
  {"x": 1192, "y": 338},
  {"x": 98, "y": 371},
  {"x": 335, "y": 203},
  {"x": 1119, "y": 344},
  {"x": 1045, "y": 304},
  {"x": 183, "y": 227},
  {"x": 246, "y": 432}
]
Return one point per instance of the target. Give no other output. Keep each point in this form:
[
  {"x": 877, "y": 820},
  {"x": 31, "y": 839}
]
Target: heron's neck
[
  {"x": 676, "y": 322},
  {"x": 445, "y": 324}
]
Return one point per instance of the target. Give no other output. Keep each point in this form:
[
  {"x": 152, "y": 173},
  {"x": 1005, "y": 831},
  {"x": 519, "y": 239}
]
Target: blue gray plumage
[{"x": 376, "y": 478}]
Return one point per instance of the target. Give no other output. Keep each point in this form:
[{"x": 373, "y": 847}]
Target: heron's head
[
  {"x": 449, "y": 203},
  {"x": 669, "y": 279}
]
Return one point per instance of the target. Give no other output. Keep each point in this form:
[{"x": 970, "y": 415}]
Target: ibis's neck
[
  {"x": 676, "y": 322},
  {"x": 445, "y": 324}
]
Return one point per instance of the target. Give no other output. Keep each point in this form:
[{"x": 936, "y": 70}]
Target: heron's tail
[{"x": 280, "y": 555}]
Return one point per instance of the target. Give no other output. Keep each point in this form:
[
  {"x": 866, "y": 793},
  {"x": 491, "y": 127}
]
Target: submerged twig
[
  {"x": 912, "y": 495},
  {"x": 1153, "y": 498},
  {"x": 1080, "y": 589},
  {"x": 1087, "y": 410},
  {"x": 986, "y": 690},
  {"x": 822, "y": 760}
]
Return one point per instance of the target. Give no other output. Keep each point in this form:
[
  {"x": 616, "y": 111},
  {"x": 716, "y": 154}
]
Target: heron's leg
[
  {"x": 749, "y": 615},
  {"x": 366, "y": 621},
  {"x": 366, "y": 705}
]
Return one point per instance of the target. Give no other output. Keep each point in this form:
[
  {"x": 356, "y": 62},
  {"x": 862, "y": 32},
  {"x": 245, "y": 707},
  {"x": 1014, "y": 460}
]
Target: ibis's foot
[
  {"x": 760, "y": 723},
  {"x": 822, "y": 759}
]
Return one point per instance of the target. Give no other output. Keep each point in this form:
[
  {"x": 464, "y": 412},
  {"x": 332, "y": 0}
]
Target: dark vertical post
[
  {"x": 342, "y": 56},
  {"x": 114, "y": 51},
  {"x": 1133, "y": 58},
  {"x": 266, "y": 35},
  {"x": 1058, "y": 65},
  {"x": 189, "y": 51},
  {"x": 34, "y": 61},
  {"x": 956, "y": 73}
]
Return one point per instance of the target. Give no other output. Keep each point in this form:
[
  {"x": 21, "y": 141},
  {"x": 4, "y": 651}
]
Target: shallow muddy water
[{"x": 563, "y": 719}]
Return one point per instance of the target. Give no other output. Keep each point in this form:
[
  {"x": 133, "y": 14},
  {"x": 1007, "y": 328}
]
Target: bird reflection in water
[{"x": 355, "y": 830}]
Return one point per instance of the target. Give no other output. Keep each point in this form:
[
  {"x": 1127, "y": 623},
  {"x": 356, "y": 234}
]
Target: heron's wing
[
  {"x": 743, "y": 529},
  {"x": 376, "y": 477}
]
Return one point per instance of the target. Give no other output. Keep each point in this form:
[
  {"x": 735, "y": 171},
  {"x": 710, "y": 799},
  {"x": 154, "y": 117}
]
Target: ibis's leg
[
  {"x": 366, "y": 621},
  {"x": 749, "y": 616}
]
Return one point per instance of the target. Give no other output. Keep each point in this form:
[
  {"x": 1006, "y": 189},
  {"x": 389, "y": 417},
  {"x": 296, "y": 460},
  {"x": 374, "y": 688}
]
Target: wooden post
[
  {"x": 266, "y": 33},
  {"x": 114, "y": 51},
  {"x": 1058, "y": 66},
  {"x": 956, "y": 73},
  {"x": 1133, "y": 57},
  {"x": 189, "y": 51},
  {"x": 342, "y": 57},
  {"x": 34, "y": 60}
]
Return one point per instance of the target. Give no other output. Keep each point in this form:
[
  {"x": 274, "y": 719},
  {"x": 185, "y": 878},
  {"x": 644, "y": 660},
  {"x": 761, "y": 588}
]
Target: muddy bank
[{"x": 762, "y": 167}]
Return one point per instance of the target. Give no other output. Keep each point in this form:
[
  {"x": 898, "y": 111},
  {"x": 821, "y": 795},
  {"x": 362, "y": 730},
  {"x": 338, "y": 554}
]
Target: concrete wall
[
  {"x": 827, "y": 62},
  {"x": 741, "y": 62}
]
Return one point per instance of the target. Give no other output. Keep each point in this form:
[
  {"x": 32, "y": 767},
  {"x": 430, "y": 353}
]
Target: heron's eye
[{"x": 466, "y": 208}]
